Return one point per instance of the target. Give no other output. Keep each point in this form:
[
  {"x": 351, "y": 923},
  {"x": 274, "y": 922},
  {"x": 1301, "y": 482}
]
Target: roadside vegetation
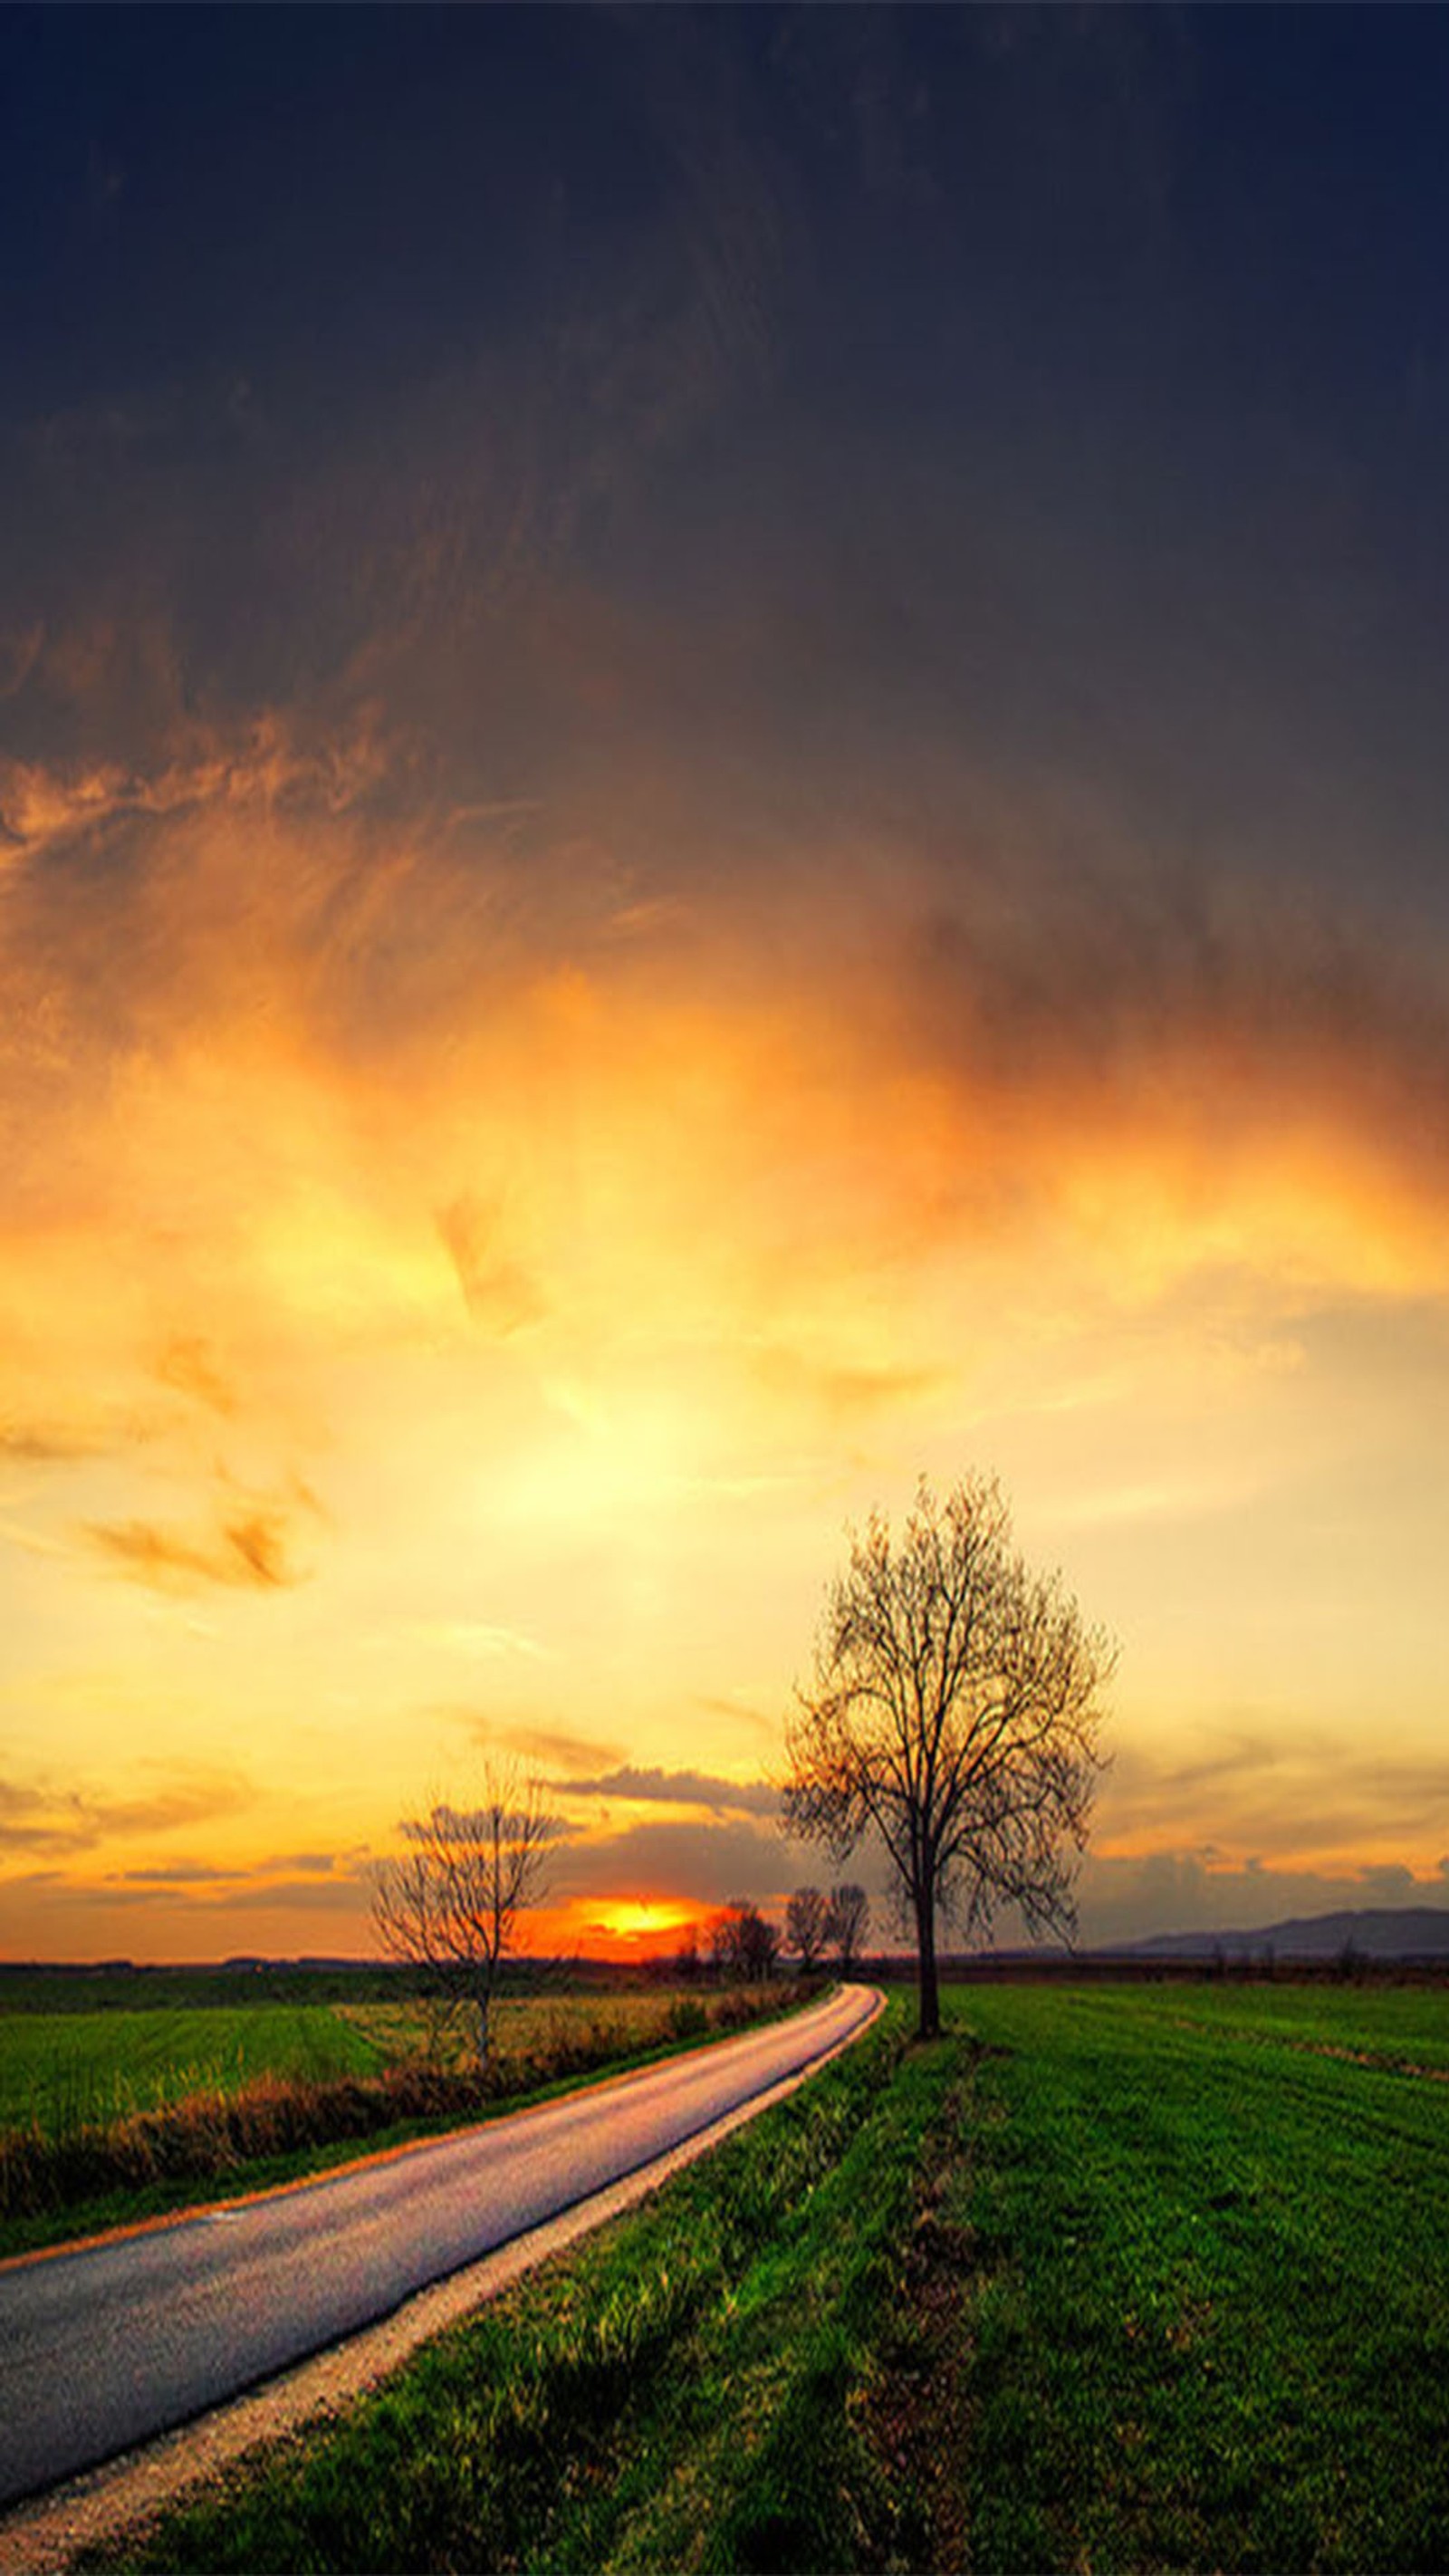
[
  {"x": 1106, "y": 2277},
  {"x": 108, "y": 2117}
]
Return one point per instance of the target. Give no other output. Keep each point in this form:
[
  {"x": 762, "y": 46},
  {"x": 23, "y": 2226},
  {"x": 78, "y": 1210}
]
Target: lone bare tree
[
  {"x": 806, "y": 1921},
  {"x": 955, "y": 1709},
  {"x": 451, "y": 1900},
  {"x": 847, "y": 1921}
]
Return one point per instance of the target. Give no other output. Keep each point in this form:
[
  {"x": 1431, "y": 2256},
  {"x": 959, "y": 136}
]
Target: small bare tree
[
  {"x": 450, "y": 1901},
  {"x": 955, "y": 1710},
  {"x": 806, "y": 1922},
  {"x": 847, "y": 1922}
]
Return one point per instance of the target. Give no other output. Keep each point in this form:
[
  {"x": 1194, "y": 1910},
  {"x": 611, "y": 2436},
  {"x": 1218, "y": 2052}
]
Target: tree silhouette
[
  {"x": 806, "y": 1925},
  {"x": 744, "y": 1942},
  {"x": 450, "y": 1902},
  {"x": 955, "y": 1710},
  {"x": 847, "y": 1922}
]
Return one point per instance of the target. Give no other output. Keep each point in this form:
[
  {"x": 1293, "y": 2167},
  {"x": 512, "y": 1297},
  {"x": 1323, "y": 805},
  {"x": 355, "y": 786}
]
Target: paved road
[{"x": 102, "y": 2346}]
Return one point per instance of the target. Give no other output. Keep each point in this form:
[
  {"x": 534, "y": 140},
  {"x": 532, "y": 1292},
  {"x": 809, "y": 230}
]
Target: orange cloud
[{"x": 251, "y": 1549}]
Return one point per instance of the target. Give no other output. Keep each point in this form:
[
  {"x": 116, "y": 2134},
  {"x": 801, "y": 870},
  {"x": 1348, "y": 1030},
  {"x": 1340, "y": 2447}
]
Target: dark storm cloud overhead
[
  {"x": 982, "y": 484},
  {"x": 656, "y": 1787},
  {"x": 598, "y": 303}
]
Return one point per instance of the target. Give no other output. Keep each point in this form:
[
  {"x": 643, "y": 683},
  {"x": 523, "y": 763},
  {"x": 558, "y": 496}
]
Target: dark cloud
[
  {"x": 656, "y": 1787},
  {"x": 1181, "y": 1891},
  {"x": 702, "y": 1864},
  {"x": 1098, "y": 982}
]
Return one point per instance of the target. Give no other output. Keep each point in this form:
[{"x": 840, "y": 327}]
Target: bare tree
[
  {"x": 450, "y": 1901},
  {"x": 806, "y": 1920},
  {"x": 847, "y": 1922},
  {"x": 955, "y": 1710}
]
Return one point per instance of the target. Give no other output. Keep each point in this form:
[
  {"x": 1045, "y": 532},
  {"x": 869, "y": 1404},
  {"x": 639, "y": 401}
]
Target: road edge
[{"x": 44, "y": 2534}]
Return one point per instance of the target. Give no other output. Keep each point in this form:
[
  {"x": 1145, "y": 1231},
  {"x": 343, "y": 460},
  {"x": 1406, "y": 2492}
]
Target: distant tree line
[{"x": 745, "y": 1946}]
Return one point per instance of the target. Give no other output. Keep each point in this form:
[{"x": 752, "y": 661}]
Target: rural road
[{"x": 106, "y": 2344}]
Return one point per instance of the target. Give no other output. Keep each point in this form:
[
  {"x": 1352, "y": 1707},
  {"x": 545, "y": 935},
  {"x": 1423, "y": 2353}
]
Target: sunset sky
[{"x": 723, "y": 775}]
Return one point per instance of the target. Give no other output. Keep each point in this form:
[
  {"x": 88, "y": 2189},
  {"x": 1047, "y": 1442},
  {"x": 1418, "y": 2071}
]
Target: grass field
[
  {"x": 68, "y": 2070},
  {"x": 1110, "y": 2278},
  {"x": 64, "y": 2071}
]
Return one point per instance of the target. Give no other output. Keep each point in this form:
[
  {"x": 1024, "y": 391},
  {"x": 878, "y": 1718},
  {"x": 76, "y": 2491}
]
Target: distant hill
[{"x": 1375, "y": 1932}]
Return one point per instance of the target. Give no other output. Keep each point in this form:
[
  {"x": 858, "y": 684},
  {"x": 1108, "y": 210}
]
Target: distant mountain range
[{"x": 1375, "y": 1932}]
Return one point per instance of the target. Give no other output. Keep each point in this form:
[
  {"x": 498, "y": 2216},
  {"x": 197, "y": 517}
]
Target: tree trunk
[{"x": 930, "y": 2001}]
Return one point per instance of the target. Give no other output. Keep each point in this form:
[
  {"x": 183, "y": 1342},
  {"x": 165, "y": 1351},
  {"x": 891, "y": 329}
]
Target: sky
[{"x": 722, "y": 779}]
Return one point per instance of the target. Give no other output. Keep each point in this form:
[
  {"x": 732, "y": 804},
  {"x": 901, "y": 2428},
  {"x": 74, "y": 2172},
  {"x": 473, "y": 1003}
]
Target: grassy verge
[{"x": 246, "y": 2131}]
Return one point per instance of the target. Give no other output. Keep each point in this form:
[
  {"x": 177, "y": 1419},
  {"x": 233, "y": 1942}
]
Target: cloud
[
  {"x": 1151, "y": 997},
  {"x": 1291, "y": 1795},
  {"x": 181, "y": 1873},
  {"x": 240, "y": 1874},
  {"x": 34, "y": 1815},
  {"x": 1126, "y": 1899},
  {"x": 844, "y": 1394},
  {"x": 197, "y": 1896},
  {"x": 499, "y": 1293},
  {"x": 55, "y": 1443},
  {"x": 19, "y": 652},
  {"x": 550, "y": 1747},
  {"x": 189, "y": 1364},
  {"x": 656, "y": 1787},
  {"x": 699, "y": 1864},
  {"x": 249, "y": 1552}
]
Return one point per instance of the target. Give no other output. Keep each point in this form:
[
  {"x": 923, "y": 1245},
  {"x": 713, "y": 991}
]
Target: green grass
[
  {"x": 1210, "y": 2304},
  {"x": 1110, "y": 2278},
  {"x": 64, "y": 2071},
  {"x": 1398, "y": 2025}
]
